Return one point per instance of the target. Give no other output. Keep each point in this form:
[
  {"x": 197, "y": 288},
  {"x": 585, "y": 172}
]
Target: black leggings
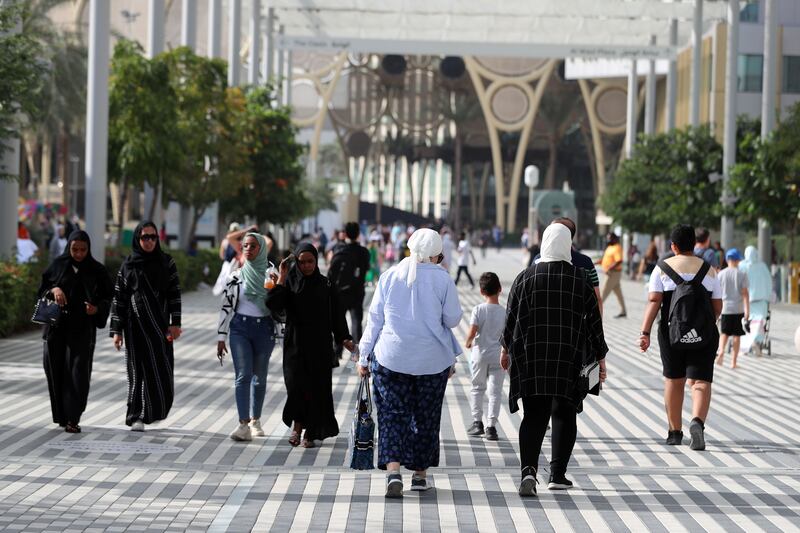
[
  {"x": 465, "y": 271},
  {"x": 538, "y": 410}
]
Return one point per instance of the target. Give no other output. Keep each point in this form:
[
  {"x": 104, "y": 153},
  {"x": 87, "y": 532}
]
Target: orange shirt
[{"x": 613, "y": 254}]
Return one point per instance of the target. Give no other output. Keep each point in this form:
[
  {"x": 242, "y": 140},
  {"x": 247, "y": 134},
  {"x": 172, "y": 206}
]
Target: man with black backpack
[
  {"x": 347, "y": 272},
  {"x": 686, "y": 290}
]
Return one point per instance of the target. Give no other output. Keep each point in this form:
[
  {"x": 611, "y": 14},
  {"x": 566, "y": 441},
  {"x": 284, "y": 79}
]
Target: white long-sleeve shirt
[{"x": 409, "y": 329}]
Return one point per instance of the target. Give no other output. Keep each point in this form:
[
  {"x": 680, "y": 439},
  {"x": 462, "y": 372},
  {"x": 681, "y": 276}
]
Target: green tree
[
  {"x": 666, "y": 182},
  {"x": 277, "y": 193},
  {"x": 143, "y": 138},
  {"x": 21, "y": 74},
  {"x": 214, "y": 146},
  {"x": 768, "y": 186}
]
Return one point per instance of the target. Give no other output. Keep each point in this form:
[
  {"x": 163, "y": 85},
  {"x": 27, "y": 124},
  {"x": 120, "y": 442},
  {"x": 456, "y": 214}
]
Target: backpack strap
[
  {"x": 701, "y": 274},
  {"x": 668, "y": 270}
]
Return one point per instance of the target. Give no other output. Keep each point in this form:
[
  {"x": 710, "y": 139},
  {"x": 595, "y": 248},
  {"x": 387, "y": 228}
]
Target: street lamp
[{"x": 532, "y": 180}]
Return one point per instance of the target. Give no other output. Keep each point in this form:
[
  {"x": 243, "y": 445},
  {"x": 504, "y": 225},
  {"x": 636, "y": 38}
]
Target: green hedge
[{"x": 18, "y": 283}]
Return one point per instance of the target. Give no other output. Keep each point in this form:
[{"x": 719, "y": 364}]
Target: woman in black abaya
[
  {"x": 313, "y": 322},
  {"x": 82, "y": 287},
  {"x": 146, "y": 313}
]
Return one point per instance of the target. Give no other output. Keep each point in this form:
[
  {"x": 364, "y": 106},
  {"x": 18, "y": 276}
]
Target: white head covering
[
  {"x": 556, "y": 244},
  {"x": 423, "y": 244}
]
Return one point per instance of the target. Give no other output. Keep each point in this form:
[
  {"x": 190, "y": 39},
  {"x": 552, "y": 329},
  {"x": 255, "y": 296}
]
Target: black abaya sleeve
[
  {"x": 103, "y": 295},
  {"x": 338, "y": 320},
  {"x": 278, "y": 299},
  {"x": 119, "y": 305},
  {"x": 174, "y": 294}
]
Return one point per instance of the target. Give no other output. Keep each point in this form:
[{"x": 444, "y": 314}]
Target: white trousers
[{"x": 486, "y": 374}]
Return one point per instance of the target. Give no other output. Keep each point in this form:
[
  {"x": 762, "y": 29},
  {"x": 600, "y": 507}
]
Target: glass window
[
  {"x": 791, "y": 74},
  {"x": 750, "y": 70},
  {"x": 749, "y": 12}
]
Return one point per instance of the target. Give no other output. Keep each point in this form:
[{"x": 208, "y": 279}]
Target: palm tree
[
  {"x": 459, "y": 108},
  {"x": 560, "y": 110}
]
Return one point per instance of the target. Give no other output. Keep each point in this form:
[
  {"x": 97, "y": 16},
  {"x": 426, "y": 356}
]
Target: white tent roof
[{"x": 509, "y": 28}]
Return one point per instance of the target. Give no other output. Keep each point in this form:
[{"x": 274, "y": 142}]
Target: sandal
[
  {"x": 294, "y": 439},
  {"x": 308, "y": 444},
  {"x": 72, "y": 428}
]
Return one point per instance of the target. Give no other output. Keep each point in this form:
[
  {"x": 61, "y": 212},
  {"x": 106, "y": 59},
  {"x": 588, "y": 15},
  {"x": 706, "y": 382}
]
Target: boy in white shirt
[{"x": 486, "y": 327}]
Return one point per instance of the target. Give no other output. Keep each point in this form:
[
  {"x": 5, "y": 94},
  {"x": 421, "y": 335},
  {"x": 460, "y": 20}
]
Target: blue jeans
[{"x": 252, "y": 340}]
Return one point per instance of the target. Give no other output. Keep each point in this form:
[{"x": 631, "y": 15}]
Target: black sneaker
[
  {"x": 675, "y": 437},
  {"x": 527, "y": 487},
  {"x": 419, "y": 483},
  {"x": 491, "y": 433},
  {"x": 696, "y": 431},
  {"x": 394, "y": 486},
  {"x": 559, "y": 482},
  {"x": 475, "y": 429}
]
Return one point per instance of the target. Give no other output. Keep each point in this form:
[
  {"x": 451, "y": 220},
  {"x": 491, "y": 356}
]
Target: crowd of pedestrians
[{"x": 549, "y": 340}]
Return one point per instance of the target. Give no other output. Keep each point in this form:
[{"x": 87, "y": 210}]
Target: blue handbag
[
  {"x": 47, "y": 312},
  {"x": 362, "y": 432}
]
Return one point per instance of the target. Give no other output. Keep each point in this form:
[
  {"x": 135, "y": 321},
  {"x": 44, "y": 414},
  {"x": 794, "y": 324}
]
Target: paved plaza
[{"x": 186, "y": 474}]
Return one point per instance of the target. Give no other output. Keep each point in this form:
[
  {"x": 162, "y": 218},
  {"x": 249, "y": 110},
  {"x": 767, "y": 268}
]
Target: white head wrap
[
  {"x": 423, "y": 244},
  {"x": 556, "y": 244}
]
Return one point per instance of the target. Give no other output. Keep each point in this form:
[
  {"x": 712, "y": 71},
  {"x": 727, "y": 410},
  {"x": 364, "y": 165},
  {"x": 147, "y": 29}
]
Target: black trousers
[
  {"x": 465, "y": 271},
  {"x": 538, "y": 411},
  {"x": 356, "y": 310}
]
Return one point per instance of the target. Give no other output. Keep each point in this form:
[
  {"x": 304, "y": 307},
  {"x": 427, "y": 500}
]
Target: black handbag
[{"x": 47, "y": 312}]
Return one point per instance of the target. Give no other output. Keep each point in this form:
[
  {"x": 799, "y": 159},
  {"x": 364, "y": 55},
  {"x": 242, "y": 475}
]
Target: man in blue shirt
[{"x": 703, "y": 248}]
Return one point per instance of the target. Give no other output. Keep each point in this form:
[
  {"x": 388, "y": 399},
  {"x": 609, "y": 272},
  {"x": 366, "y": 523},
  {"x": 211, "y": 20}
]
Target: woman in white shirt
[
  {"x": 410, "y": 350},
  {"x": 244, "y": 315}
]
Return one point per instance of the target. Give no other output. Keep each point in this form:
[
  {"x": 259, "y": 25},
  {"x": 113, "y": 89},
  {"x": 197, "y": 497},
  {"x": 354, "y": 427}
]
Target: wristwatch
[{"x": 645, "y": 333}]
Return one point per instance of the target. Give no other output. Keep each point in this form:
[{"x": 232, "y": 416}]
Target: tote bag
[{"x": 362, "y": 432}]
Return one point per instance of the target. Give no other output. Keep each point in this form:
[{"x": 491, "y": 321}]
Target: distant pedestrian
[
  {"x": 611, "y": 263},
  {"x": 58, "y": 242},
  {"x": 735, "y": 306},
  {"x": 497, "y": 237},
  {"x": 483, "y": 241},
  {"x": 146, "y": 314},
  {"x": 245, "y": 319},
  {"x": 703, "y": 248},
  {"x": 483, "y": 339},
  {"x": 410, "y": 349},
  {"x": 448, "y": 247},
  {"x": 464, "y": 255},
  {"x": 759, "y": 287},
  {"x": 313, "y": 323},
  {"x": 686, "y": 290},
  {"x": 82, "y": 287},
  {"x": 649, "y": 261},
  {"x": 553, "y": 326}
]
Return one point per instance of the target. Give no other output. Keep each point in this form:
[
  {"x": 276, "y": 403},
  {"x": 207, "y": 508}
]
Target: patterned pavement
[{"x": 186, "y": 474}]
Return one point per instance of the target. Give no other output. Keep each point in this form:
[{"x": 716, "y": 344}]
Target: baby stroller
[{"x": 758, "y": 339}]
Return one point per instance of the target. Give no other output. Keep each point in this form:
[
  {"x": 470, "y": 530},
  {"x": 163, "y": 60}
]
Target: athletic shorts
[
  {"x": 692, "y": 364},
  {"x": 731, "y": 325}
]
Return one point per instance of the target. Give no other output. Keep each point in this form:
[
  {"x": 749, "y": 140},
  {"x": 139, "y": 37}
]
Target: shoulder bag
[{"x": 362, "y": 432}]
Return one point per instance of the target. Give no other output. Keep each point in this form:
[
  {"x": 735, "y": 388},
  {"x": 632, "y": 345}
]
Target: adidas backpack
[{"x": 691, "y": 324}]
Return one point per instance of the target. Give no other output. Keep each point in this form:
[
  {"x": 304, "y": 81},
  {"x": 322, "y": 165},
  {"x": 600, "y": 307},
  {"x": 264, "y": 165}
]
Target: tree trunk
[
  {"x": 473, "y": 200},
  {"x": 395, "y": 164},
  {"x": 550, "y": 177},
  {"x": 31, "y": 147},
  {"x": 587, "y": 143},
  {"x": 198, "y": 214},
  {"x": 457, "y": 184},
  {"x": 423, "y": 165},
  {"x": 123, "y": 198},
  {"x": 46, "y": 167},
  {"x": 482, "y": 191},
  {"x": 151, "y": 209},
  {"x": 63, "y": 167},
  {"x": 410, "y": 178}
]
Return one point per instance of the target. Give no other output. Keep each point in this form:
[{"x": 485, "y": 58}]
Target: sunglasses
[{"x": 148, "y": 237}]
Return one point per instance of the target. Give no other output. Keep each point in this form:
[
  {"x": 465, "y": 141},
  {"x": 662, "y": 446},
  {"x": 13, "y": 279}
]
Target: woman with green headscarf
[{"x": 245, "y": 318}]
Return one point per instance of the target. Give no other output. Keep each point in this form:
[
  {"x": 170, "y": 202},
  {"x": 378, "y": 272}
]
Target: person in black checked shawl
[
  {"x": 552, "y": 318},
  {"x": 147, "y": 311},
  {"x": 82, "y": 286},
  {"x": 313, "y": 323}
]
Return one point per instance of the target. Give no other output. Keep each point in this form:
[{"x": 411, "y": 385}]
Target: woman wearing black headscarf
[
  {"x": 147, "y": 311},
  {"x": 312, "y": 323},
  {"x": 82, "y": 287}
]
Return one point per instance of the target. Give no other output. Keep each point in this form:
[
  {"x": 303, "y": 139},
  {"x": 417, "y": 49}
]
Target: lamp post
[{"x": 531, "y": 181}]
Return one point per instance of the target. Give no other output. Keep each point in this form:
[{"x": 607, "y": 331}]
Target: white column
[
  {"x": 155, "y": 45},
  {"x": 269, "y": 46},
  {"x": 729, "y": 141},
  {"x": 672, "y": 78},
  {"x": 288, "y": 78},
  {"x": 234, "y": 41},
  {"x": 633, "y": 90},
  {"x": 9, "y": 195},
  {"x": 768, "y": 110},
  {"x": 255, "y": 42},
  {"x": 189, "y": 24},
  {"x": 650, "y": 95},
  {"x": 214, "y": 28},
  {"x": 697, "y": 59},
  {"x": 97, "y": 125},
  {"x": 281, "y": 53}
]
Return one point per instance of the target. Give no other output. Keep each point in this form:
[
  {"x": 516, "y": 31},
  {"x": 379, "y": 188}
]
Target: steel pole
[
  {"x": 768, "y": 110},
  {"x": 729, "y": 141},
  {"x": 255, "y": 43},
  {"x": 633, "y": 90},
  {"x": 697, "y": 59}
]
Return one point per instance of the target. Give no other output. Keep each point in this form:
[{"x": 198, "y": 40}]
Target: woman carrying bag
[
  {"x": 244, "y": 318},
  {"x": 82, "y": 287}
]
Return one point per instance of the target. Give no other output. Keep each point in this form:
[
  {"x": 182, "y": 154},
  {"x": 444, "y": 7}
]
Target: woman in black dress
[
  {"x": 313, "y": 322},
  {"x": 146, "y": 311},
  {"x": 82, "y": 287}
]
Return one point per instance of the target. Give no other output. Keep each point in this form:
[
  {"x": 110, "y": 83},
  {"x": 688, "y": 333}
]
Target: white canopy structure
[{"x": 506, "y": 28}]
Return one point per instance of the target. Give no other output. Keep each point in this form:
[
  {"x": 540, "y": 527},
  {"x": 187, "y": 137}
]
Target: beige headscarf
[
  {"x": 556, "y": 244},
  {"x": 424, "y": 244}
]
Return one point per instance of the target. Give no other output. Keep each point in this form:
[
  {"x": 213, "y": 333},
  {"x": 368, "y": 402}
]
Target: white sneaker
[
  {"x": 137, "y": 426},
  {"x": 242, "y": 432},
  {"x": 255, "y": 428}
]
